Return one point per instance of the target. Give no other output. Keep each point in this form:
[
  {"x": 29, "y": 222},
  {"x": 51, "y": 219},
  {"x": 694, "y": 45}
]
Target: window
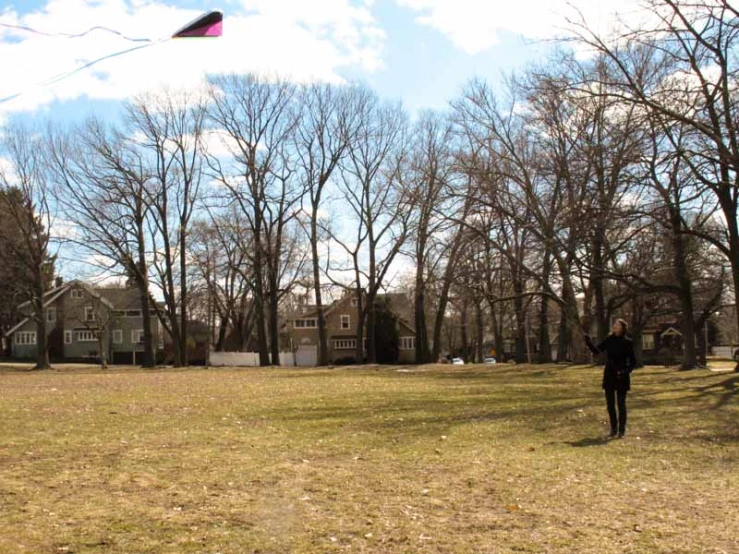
[
  {"x": 648, "y": 341},
  {"x": 76, "y": 293},
  {"x": 311, "y": 323},
  {"x": 137, "y": 336},
  {"x": 51, "y": 314},
  {"x": 133, "y": 313},
  {"x": 345, "y": 344},
  {"x": 67, "y": 337},
  {"x": 119, "y": 313},
  {"x": 346, "y": 322},
  {"x": 407, "y": 343},
  {"x": 86, "y": 336},
  {"x": 117, "y": 336},
  {"x": 89, "y": 313},
  {"x": 25, "y": 338},
  {"x": 354, "y": 302}
]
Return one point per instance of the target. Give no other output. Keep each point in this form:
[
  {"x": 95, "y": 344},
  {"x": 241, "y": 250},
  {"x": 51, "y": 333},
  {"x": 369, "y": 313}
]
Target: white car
[
  {"x": 457, "y": 361},
  {"x": 489, "y": 360}
]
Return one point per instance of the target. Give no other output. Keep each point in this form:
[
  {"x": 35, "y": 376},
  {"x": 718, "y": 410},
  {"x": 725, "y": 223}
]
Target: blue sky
[{"x": 421, "y": 51}]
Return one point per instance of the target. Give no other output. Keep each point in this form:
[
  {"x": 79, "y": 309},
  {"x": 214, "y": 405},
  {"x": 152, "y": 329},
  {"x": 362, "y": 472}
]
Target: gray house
[{"x": 77, "y": 315}]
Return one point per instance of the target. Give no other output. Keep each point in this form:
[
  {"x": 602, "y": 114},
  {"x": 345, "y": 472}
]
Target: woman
[{"x": 620, "y": 362}]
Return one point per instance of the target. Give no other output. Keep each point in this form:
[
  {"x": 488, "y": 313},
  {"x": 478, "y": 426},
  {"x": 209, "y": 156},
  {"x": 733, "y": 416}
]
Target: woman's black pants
[{"x": 612, "y": 397}]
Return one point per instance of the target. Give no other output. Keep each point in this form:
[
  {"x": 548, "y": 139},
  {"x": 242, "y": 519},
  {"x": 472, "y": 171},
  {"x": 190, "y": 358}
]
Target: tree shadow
[{"x": 725, "y": 390}]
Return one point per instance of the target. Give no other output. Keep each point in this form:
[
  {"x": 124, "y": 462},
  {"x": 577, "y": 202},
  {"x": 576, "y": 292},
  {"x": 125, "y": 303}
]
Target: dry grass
[{"x": 431, "y": 459}]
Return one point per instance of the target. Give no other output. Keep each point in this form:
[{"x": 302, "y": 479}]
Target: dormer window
[
  {"x": 308, "y": 323},
  {"x": 76, "y": 293}
]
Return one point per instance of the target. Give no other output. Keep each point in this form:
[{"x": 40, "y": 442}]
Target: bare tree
[
  {"x": 167, "y": 127},
  {"x": 683, "y": 70},
  {"x": 100, "y": 185},
  {"x": 220, "y": 252},
  {"x": 258, "y": 121},
  {"x": 327, "y": 125},
  {"x": 431, "y": 175},
  {"x": 372, "y": 179},
  {"x": 24, "y": 199}
]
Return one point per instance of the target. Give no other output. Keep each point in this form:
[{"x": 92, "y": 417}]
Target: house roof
[
  {"x": 672, "y": 332},
  {"x": 121, "y": 299},
  {"x": 398, "y": 302},
  {"x": 113, "y": 298}
]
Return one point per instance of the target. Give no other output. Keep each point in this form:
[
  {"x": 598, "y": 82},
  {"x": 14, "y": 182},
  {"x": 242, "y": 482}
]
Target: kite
[{"x": 208, "y": 25}]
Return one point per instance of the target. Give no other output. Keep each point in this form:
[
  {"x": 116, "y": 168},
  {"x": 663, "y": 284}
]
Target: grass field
[{"x": 431, "y": 459}]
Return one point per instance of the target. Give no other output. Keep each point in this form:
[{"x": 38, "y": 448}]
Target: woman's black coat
[{"x": 620, "y": 360}]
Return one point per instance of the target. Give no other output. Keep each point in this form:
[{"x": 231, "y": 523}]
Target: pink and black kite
[{"x": 208, "y": 25}]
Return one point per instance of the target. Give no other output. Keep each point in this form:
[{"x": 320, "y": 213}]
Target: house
[
  {"x": 76, "y": 313},
  {"x": 301, "y": 329}
]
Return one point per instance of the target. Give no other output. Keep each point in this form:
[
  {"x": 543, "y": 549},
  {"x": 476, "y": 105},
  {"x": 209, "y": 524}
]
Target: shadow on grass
[
  {"x": 584, "y": 443},
  {"x": 725, "y": 390}
]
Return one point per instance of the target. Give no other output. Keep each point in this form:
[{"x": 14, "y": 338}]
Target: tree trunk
[
  {"x": 42, "y": 344},
  {"x": 103, "y": 352},
  {"x": 730, "y": 211},
  {"x": 463, "y": 328},
  {"x": 274, "y": 323},
  {"x": 680, "y": 267},
  {"x": 480, "y": 332},
  {"x": 423, "y": 355},
  {"x": 563, "y": 337},
  {"x": 518, "y": 307},
  {"x": 322, "y": 335},
  {"x": 444, "y": 296},
  {"x": 261, "y": 321},
  {"x": 183, "y": 292},
  {"x": 371, "y": 325},
  {"x": 222, "y": 328},
  {"x": 545, "y": 345},
  {"x": 142, "y": 280},
  {"x": 359, "y": 352},
  {"x": 495, "y": 322},
  {"x": 601, "y": 318}
]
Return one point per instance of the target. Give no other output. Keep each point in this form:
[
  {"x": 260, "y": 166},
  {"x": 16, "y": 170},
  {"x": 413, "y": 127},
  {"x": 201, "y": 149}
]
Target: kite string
[
  {"x": 72, "y": 35},
  {"x": 66, "y": 74}
]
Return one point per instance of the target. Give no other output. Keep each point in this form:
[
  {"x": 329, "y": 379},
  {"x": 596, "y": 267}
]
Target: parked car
[
  {"x": 736, "y": 354},
  {"x": 457, "y": 361},
  {"x": 489, "y": 360}
]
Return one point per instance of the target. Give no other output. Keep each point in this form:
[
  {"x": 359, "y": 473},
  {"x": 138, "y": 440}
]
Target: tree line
[{"x": 579, "y": 189}]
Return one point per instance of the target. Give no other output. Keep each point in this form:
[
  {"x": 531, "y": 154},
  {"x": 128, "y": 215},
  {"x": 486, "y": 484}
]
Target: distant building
[
  {"x": 76, "y": 313},
  {"x": 301, "y": 329}
]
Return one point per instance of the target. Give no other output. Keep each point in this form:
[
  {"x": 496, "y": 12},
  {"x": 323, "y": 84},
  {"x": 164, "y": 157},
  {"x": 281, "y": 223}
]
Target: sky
[{"x": 419, "y": 51}]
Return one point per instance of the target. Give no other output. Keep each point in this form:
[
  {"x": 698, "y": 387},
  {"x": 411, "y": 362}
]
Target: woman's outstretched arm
[{"x": 595, "y": 349}]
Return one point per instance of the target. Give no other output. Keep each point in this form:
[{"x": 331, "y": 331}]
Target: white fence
[
  {"x": 246, "y": 359},
  {"x": 724, "y": 351}
]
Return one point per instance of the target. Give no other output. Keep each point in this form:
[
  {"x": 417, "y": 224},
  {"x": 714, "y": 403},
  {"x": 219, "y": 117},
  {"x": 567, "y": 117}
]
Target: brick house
[
  {"x": 301, "y": 329},
  {"x": 75, "y": 313}
]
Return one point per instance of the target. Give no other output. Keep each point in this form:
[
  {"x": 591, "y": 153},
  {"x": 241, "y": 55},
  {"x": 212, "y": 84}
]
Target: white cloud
[
  {"x": 293, "y": 38},
  {"x": 475, "y": 26}
]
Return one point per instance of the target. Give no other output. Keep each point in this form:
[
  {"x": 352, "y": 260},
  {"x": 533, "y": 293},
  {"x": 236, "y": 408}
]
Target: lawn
[{"x": 394, "y": 459}]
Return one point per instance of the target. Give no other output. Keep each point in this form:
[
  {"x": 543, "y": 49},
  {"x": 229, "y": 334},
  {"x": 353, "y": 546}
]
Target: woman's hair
[{"x": 624, "y": 326}]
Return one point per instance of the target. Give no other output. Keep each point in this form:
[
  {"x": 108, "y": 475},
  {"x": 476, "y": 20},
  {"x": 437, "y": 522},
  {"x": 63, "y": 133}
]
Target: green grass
[{"x": 430, "y": 459}]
